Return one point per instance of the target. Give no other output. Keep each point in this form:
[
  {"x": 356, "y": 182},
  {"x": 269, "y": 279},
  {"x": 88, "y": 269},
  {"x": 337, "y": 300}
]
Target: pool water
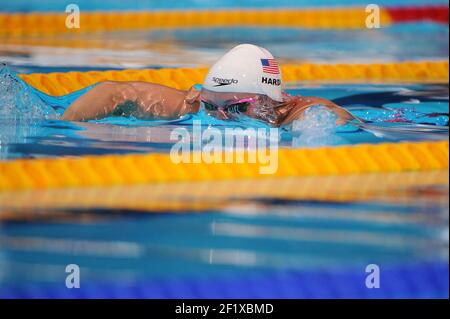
[
  {"x": 54, "y": 5},
  {"x": 30, "y": 126},
  {"x": 246, "y": 246},
  {"x": 201, "y": 47},
  {"x": 297, "y": 237},
  {"x": 240, "y": 245}
]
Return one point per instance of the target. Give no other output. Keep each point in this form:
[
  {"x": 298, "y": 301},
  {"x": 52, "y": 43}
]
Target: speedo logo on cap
[
  {"x": 223, "y": 82},
  {"x": 271, "y": 81}
]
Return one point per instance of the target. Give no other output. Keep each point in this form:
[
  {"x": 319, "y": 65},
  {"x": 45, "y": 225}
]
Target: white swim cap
[{"x": 246, "y": 68}]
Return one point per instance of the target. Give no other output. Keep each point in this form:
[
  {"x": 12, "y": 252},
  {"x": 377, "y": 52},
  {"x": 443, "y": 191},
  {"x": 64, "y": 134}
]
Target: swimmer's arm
[
  {"x": 300, "y": 104},
  {"x": 98, "y": 102},
  {"x": 151, "y": 100}
]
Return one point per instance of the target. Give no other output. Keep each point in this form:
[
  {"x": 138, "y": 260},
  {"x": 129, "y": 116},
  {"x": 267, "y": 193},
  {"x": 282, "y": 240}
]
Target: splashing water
[
  {"x": 318, "y": 119},
  {"x": 315, "y": 128},
  {"x": 18, "y": 101},
  {"x": 402, "y": 115},
  {"x": 21, "y": 112}
]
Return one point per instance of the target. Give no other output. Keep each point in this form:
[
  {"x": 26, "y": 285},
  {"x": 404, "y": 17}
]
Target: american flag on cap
[{"x": 270, "y": 66}]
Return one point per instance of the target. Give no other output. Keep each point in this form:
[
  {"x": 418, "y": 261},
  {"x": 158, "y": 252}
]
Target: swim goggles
[{"x": 239, "y": 106}]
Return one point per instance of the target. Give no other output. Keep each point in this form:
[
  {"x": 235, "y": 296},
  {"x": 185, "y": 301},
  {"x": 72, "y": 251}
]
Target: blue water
[
  {"x": 30, "y": 127},
  {"x": 150, "y": 254},
  {"x": 55, "y": 5},
  {"x": 202, "y": 47}
]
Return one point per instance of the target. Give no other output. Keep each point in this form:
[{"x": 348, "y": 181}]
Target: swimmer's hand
[
  {"x": 294, "y": 107},
  {"x": 143, "y": 100}
]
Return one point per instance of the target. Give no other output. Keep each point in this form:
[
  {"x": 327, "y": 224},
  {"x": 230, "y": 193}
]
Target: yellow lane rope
[
  {"x": 183, "y": 78},
  {"x": 397, "y": 187},
  {"x": 20, "y": 24},
  {"x": 153, "y": 168}
]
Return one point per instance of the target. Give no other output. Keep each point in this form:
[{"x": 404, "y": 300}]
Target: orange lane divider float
[
  {"x": 159, "y": 168},
  {"x": 393, "y": 187},
  {"x": 53, "y": 23},
  {"x": 183, "y": 78},
  {"x": 39, "y": 23}
]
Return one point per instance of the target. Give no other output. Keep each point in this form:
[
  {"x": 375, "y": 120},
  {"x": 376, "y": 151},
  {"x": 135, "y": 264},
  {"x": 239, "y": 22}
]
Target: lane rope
[
  {"x": 61, "y": 83},
  {"x": 159, "y": 168},
  {"x": 39, "y": 23},
  {"x": 397, "y": 187}
]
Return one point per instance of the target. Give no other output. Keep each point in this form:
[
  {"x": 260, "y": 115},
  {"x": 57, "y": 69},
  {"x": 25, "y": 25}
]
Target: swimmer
[{"x": 245, "y": 81}]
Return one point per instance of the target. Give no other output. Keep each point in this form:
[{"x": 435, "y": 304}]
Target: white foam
[
  {"x": 19, "y": 101},
  {"x": 316, "y": 127}
]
